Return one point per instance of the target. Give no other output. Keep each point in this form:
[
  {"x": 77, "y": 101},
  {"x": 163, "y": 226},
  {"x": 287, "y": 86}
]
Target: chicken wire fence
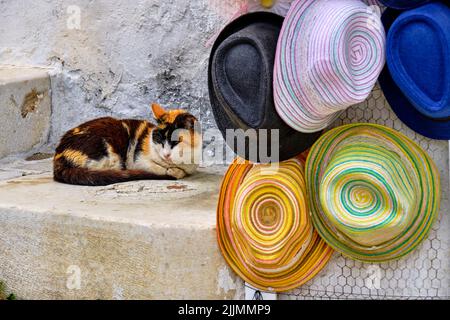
[{"x": 424, "y": 274}]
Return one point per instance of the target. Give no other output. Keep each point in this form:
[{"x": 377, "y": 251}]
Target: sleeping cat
[{"x": 107, "y": 150}]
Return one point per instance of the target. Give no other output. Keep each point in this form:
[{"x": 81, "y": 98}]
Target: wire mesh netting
[{"x": 424, "y": 274}]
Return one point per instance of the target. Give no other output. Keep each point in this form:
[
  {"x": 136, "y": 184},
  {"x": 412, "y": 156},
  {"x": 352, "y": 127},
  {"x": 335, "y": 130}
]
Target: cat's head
[{"x": 177, "y": 138}]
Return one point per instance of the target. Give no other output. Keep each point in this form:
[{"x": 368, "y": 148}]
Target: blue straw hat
[
  {"x": 416, "y": 80},
  {"x": 403, "y": 4}
]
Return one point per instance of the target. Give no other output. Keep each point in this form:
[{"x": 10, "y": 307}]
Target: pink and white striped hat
[{"x": 329, "y": 56}]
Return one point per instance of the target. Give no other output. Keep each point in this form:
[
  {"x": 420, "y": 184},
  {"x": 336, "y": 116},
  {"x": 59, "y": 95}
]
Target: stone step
[
  {"x": 137, "y": 240},
  {"x": 25, "y": 104}
]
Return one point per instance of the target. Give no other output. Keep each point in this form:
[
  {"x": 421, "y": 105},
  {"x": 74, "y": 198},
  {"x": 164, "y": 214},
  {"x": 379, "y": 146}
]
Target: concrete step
[
  {"x": 25, "y": 105},
  {"x": 138, "y": 240}
]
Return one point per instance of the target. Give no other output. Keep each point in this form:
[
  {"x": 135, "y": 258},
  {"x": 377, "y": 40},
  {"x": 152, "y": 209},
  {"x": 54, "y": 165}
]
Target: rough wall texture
[
  {"x": 25, "y": 106},
  {"x": 113, "y": 57}
]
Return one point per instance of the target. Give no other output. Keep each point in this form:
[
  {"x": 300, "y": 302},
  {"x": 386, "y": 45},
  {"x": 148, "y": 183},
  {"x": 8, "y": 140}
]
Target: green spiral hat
[{"x": 374, "y": 193}]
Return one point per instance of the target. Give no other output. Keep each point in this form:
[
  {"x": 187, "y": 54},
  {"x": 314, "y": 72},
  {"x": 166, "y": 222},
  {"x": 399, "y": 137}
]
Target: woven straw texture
[{"x": 425, "y": 273}]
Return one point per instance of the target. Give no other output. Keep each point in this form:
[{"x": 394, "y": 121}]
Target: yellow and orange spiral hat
[{"x": 264, "y": 226}]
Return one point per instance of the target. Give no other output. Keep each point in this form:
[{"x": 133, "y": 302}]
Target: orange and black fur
[{"x": 107, "y": 150}]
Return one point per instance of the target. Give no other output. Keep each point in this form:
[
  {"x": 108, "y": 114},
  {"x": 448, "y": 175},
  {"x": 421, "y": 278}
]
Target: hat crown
[
  {"x": 421, "y": 37},
  {"x": 368, "y": 191},
  {"x": 243, "y": 76},
  {"x": 343, "y": 60},
  {"x": 275, "y": 223},
  {"x": 329, "y": 56},
  {"x": 241, "y": 64}
]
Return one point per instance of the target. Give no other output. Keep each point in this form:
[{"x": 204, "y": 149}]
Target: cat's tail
[{"x": 88, "y": 177}]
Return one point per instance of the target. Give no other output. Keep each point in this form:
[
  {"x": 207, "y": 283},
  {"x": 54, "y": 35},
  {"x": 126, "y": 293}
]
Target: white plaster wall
[{"x": 125, "y": 55}]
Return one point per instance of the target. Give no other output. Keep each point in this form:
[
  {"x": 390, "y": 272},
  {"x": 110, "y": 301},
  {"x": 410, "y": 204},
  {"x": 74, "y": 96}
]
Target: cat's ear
[{"x": 158, "y": 111}]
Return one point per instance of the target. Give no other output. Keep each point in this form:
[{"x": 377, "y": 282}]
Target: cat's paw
[{"x": 177, "y": 173}]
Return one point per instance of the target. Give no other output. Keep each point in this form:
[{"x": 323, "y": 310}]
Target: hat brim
[
  {"x": 291, "y": 142},
  {"x": 315, "y": 258},
  {"x": 402, "y": 107},
  {"x": 428, "y": 195}
]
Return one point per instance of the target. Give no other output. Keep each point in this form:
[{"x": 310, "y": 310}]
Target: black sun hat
[{"x": 240, "y": 82}]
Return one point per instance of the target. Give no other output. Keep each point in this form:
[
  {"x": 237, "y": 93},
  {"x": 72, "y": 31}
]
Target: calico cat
[{"x": 107, "y": 150}]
